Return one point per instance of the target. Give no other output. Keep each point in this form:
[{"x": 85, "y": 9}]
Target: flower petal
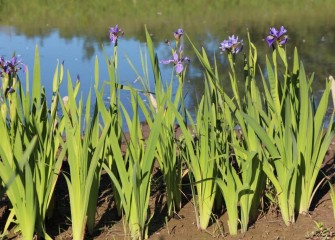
[
  {"x": 273, "y": 32},
  {"x": 175, "y": 57},
  {"x": 167, "y": 61},
  {"x": 282, "y": 31},
  {"x": 283, "y": 41},
  {"x": 179, "y": 67},
  {"x": 270, "y": 40},
  {"x": 187, "y": 60}
]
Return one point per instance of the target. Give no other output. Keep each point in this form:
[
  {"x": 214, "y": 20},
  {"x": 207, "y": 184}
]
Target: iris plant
[
  {"x": 177, "y": 60},
  {"x": 271, "y": 146},
  {"x": 11, "y": 66},
  {"x": 115, "y": 33},
  {"x": 232, "y": 45},
  {"x": 178, "y": 34},
  {"x": 277, "y": 37}
]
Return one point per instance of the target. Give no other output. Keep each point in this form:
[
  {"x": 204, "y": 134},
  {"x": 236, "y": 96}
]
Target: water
[
  {"x": 53, "y": 50},
  {"x": 77, "y": 39}
]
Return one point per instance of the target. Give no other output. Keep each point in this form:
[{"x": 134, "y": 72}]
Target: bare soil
[{"x": 269, "y": 225}]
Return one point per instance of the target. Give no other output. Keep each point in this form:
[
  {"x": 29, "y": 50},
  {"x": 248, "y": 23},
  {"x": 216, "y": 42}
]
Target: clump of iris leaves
[{"x": 239, "y": 150}]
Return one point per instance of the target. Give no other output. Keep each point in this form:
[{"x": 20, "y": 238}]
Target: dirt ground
[{"x": 182, "y": 226}]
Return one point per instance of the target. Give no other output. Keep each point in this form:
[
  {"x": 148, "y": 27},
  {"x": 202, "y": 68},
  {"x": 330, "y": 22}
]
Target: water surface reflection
[{"x": 76, "y": 39}]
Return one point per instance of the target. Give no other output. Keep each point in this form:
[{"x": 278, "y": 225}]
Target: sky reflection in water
[{"x": 79, "y": 59}]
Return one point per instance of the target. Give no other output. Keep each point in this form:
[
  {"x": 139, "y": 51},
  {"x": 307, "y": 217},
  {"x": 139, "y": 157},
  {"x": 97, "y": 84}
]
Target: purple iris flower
[
  {"x": 232, "y": 45},
  {"x": 15, "y": 64},
  {"x": 177, "y": 61},
  {"x": 11, "y": 66},
  {"x": 114, "y": 33},
  {"x": 276, "y": 36},
  {"x": 177, "y": 34}
]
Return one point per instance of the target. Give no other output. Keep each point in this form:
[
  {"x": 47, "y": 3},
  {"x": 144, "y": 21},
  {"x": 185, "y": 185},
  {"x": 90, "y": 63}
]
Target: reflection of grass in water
[{"x": 91, "y": 18}]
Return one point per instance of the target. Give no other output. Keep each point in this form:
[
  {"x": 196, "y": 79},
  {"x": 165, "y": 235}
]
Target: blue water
[
  {"x": 53, "y": 50},
  {"x": 79, "y": 57}
]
